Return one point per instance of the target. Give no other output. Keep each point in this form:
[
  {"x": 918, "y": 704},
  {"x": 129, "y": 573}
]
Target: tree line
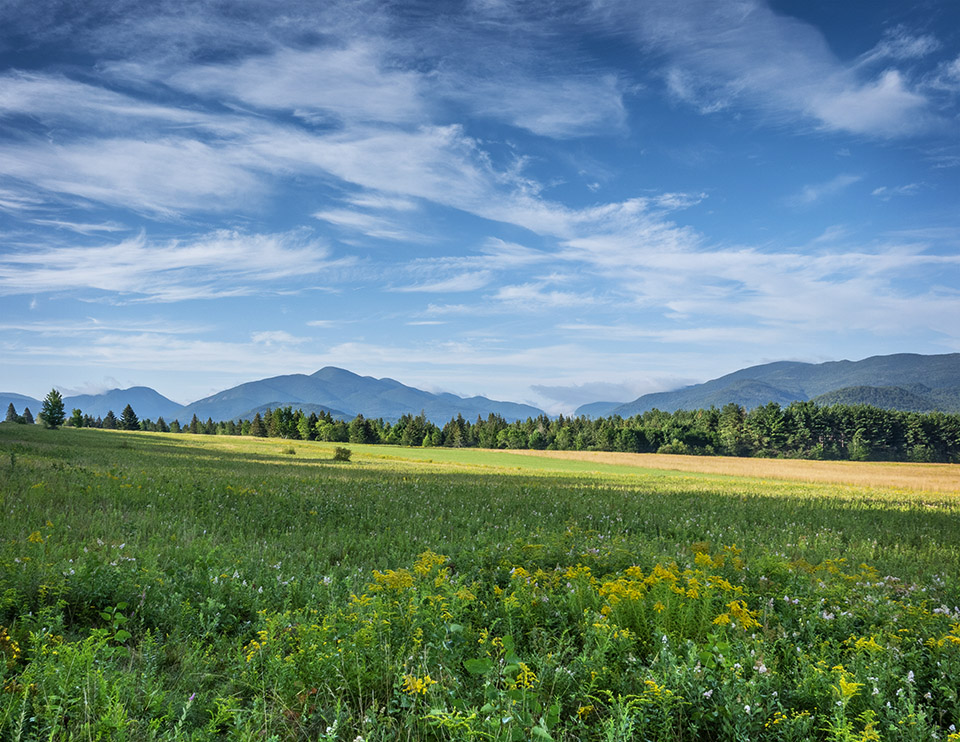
[{"x": 799, "y": 430}]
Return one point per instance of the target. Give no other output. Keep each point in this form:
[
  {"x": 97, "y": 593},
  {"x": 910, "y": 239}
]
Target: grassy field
[{"x": 182, "y": 587}]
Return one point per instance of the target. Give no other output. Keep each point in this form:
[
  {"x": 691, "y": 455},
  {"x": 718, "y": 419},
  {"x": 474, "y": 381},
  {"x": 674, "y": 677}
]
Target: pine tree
[
  {"x": 195, "y": 424},
  {"x": 11, "y": 414},
  {"x": 52, "y": 413},
  {"x": 110, "y": 421},
  {"x": 28, "y": 416},
  {"x": 128, "y": 419},
  {"x": 256, "y": 427}
]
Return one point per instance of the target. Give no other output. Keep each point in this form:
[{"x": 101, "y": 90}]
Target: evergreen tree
[
  {"x": 175, "y": 426},
  {"x": 11, "y": 414},
  {"x": 257, "y": 428},
  {"x": 129, "y": 419},
  {"x": 52, "y": 414},
  {"x": 76, "y": 418},
  {"x": 195, "y": 424},
  {"x": 162, "y": 425},
  {"x": 28, "y": 416},
  {"x": 110, "y": 421}
]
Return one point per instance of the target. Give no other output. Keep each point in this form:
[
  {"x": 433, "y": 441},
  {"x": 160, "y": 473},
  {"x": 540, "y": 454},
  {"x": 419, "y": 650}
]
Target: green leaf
[
  {"x": 478, "y": 666},
  {"x": 542, "y": 733},
  {"x": 121, "y": 636}
]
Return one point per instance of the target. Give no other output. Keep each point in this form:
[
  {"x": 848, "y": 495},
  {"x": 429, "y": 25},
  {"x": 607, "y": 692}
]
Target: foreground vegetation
[{"x": 178, "y": 587}]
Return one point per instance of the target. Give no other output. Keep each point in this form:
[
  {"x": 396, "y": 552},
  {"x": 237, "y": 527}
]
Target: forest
[{"x": 799, "y": 430}]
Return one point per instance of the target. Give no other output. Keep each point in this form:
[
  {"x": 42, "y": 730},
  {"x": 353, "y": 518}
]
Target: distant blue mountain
[
  {"x": 902, "y": 381},
  {"x": 146, "y": 402},
  {"x": 351, "y": 394}
]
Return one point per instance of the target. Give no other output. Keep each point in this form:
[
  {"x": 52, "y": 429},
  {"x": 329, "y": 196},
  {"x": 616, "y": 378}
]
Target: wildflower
[
  {"x": 417, "y": 686},
  {"x": 708, "y": 693},
  {"x": 526, "y": 678}
]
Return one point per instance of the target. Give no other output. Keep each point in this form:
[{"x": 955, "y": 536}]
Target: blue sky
[{"x": 547, "y": 202}]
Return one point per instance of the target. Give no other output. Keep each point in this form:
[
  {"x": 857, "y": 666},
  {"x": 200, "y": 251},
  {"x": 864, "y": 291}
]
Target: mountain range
[
  {"x": 341, "y": 393},
  {"x": 906, "y": 381}
]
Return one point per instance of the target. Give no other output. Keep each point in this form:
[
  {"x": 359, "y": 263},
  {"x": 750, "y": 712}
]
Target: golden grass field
[{"x": 892, "y": 475}]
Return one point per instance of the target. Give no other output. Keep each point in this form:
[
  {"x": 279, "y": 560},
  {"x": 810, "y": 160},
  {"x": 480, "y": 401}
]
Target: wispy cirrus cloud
[
  {"x": 900, "y": 44},
  {"x": 324, "y": 85},
  {"x": 814, "y": 192},
  {"x": 745, "y": 54},
  {"x": 885, "y": 193},
  {"x": 561, "y": 108},
  {"x": 464, "y": 282},
  {"x": 224, "y": 263}
]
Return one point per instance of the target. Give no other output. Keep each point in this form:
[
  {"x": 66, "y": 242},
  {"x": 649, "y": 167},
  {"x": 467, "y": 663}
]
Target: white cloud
[
  {"x": 372, "y": 225},
  {"x": 535, "y": 296},
  {"x": 79, "y": 227},
  {"x": 160, "y": 177},
  {"x": 271, "y": 338},
  {"x": 558, "y": 107},
  {"x": 725, "y": 54},
  {"x": 810, "y": 194},
  {"x": 353, "y": 83},
  {"x": 946, "y": 78},
  {"x": 471, "y": 281},
  {"x": 223, "y": 263},
  {"x": 885, "y": 193},
  {"x": 885, "y": 107},
  {"x": 899, "y": 44}
]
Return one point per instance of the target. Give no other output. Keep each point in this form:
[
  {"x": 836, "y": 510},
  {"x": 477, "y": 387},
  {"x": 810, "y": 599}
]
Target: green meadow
[{"x": 176, "y": 587}]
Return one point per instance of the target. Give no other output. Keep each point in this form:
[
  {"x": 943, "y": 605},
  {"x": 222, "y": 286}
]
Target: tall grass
[{"x": 169, "y": 587}]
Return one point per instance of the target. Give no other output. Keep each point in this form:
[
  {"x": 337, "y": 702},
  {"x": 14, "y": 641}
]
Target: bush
[{"x": 342, "y": 454}]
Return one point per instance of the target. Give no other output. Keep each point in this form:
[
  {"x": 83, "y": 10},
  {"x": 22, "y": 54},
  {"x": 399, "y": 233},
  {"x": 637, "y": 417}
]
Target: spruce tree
[
  {"x": 110, "y": 421},
  {"x": 256, "y": 427},
  {"x": 28, "y": 416},
  {"x": 52, "y": 413},
  {"x": 128, "y": 419},
  {"x": 11, "y": 414}
]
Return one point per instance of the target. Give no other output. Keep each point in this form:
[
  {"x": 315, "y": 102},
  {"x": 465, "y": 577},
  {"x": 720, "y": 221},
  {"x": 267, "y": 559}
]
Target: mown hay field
[{"x": 184, "y": 587}]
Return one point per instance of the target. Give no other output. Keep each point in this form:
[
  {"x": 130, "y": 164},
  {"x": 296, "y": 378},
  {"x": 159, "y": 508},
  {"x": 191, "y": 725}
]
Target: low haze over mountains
[{"x": 902, "y": 382}]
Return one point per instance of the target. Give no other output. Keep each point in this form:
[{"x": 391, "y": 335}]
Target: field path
[{"x": 921, "y": 477}]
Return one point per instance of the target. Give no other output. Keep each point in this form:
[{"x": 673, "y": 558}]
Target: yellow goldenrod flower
[{"x": 415, "y": 686}]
